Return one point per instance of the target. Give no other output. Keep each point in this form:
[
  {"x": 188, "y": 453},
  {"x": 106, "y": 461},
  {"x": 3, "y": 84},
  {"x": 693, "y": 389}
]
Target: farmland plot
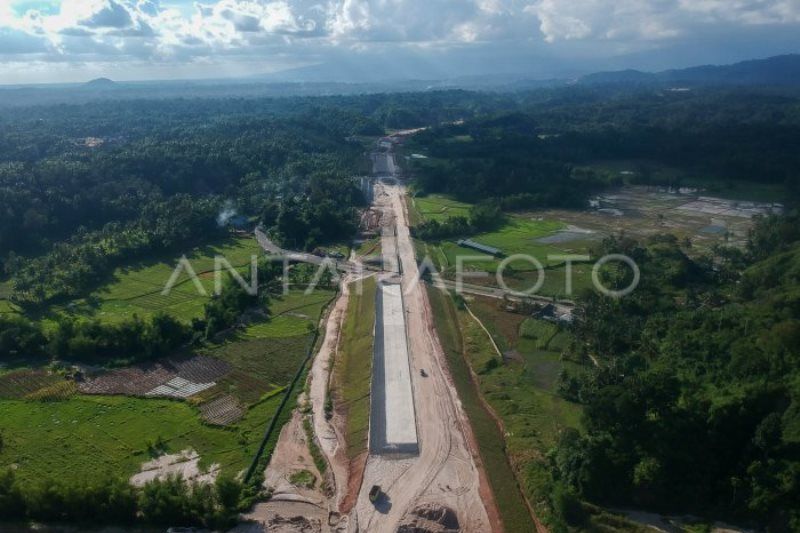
[
  {"x": 109, "y": 422},
  {"x": 137, "y": 290}
]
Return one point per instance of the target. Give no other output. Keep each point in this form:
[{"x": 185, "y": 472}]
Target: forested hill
[
  {"x": 778, "y": 70},
  {"x": 695, "y": 406}
]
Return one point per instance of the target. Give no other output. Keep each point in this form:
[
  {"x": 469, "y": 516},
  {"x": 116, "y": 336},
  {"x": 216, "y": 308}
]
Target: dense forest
[
  {"x": 536, "y": 153},
  {"x": 695, "y": 405},
  {"x": 94, "y": 185}
]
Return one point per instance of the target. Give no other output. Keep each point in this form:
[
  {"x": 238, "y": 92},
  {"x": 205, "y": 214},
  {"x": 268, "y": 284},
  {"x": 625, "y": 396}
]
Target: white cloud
[
  {"x": 653, "y": 19},
  {"x": 159, "y": 30}
]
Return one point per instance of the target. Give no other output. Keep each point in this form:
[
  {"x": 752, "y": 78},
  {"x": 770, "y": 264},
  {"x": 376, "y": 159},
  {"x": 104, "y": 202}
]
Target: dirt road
[
  {"x": 315, "y": 510},
  {"x": 445, "y": 474}
]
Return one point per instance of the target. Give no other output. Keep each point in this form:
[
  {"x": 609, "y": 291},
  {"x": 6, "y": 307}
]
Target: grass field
[
  {"x": 518, "y": 236},
  {"x": 370, "y": 247},
  {"x": 271, "y": 350},
  {"x": 353, "y": 367},
  {"x": 87, "y": 437},
  {"x": 440, "y": 207},
  {"x": 136, "y": 289}
]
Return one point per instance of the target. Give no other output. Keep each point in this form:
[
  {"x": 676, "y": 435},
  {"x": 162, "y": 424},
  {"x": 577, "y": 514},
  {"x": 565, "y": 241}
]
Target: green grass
[
  {"x": 300, "y": 305},
  {"x": 136, "y": 289},
  {"x": 272, "y": 350},
  {"x": 370, "y": 247},
  {"x": 440, "y": 207},
  {"x": 87, "y": 437},
  {"x": 490, "y": 440},
  {"x": 539, "y": 332},
  {"x": 353, "y": 367},
  {"x": 303, "y": 479},
  {"x": 517, "y": 236},
  {"x": 280, "y": 327}
]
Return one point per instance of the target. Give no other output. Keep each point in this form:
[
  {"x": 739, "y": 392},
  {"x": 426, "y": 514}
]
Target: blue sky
[{"x": 76, "y": 40}]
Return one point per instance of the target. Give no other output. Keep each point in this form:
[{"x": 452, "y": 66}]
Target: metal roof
[{"x": 478, "y": 246}]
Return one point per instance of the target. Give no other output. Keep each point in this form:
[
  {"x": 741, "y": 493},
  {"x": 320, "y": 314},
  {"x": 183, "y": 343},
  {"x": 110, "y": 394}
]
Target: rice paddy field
[
  {"x": 86, "y": 437},
  {"x": 440, "y": 207},
  {"x": 633, "y": 170},
  {"x": 137, "y": 289},
  {"x": 522, "y": 234},
  {"x": 107, "y": 422}
]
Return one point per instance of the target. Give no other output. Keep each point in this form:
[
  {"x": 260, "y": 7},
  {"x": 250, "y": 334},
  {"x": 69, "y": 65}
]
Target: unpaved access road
[{"x": 446, "y": 472}]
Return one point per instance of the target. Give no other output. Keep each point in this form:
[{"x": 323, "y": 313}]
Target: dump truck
[{"x": 374, "y": 493}]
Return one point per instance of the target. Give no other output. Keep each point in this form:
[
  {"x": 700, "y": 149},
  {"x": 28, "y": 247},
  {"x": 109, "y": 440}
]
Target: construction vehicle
[{"x": 374, "y": 493}]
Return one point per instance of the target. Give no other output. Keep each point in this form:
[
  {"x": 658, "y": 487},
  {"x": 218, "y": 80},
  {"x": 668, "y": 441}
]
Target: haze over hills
[
  {"x": 781, "y": 70},
  {"x": 320, "y": 80}
]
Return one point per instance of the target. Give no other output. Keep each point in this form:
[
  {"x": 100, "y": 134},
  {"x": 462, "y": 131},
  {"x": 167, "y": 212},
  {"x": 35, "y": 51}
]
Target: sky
[{"x": 67, "y": 41}]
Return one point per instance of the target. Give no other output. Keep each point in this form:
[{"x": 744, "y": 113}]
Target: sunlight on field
[
  {"x": 87, "y": 437},
  {"x": 440, "y": 207},
  {"x": 136, "y": 290}
]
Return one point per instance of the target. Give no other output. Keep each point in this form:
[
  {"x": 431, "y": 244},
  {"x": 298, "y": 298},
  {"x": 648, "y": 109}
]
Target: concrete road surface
[{"x": 393, "y": 423}]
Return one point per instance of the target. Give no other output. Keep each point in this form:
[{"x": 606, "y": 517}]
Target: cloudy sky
[{"x": 76, "y": 40}]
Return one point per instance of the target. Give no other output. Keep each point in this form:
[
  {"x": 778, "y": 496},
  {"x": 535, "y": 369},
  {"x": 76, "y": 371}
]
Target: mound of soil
[
  {"x": 430, "y": 519},
  {"x": 295, "y": 524}
]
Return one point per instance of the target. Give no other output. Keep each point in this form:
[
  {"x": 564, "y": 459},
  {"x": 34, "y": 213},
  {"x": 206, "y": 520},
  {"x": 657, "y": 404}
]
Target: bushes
[
  {"x": 167, "y": 502},
  {"x": 20, "y": 338},
  {"x": 135, "y": 339},
  {"x": 91, "y": 340}
]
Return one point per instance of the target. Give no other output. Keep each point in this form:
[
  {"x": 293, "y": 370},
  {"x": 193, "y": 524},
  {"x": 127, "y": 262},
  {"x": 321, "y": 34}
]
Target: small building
[{"x": 468, "y": 243}]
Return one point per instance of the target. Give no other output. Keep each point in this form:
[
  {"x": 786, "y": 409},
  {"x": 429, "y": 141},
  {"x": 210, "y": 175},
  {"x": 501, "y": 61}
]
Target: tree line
[{"x": 109, "y": 501}]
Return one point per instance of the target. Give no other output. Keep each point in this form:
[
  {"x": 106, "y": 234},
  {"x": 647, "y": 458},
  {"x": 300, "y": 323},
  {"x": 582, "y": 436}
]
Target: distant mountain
[
  {"x": 778, "y": 70},
  {"x": 100, "y": 83}
]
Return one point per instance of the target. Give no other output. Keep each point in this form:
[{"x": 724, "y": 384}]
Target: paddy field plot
[
  {"x": 698, "y": 220},
  {"x": 271, "y": 350},
  {"x": 440, "y": 207},
  {"x": 694, "y": 217},
  {"x": 137, "y": 289},
  {"x": 88, "y": 437}
]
